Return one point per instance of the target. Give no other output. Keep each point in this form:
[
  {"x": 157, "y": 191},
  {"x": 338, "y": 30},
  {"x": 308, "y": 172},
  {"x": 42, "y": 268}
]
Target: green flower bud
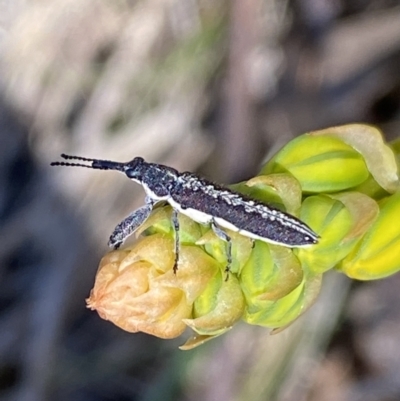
[
  {"x": 214, "y": 246},
  {"x": 284, "y": 186},
  {"x": 270, "y": 273},
  {"x": 368, "y": 141},
  {"x": 340, "y": 220},
  {"x": 332, "y": 221},
  {"x": 160, "y": 221},
  {"x": 282, "y": 312},
  {"x": 377, "y": 255},
  {"x": 219, "y": 306},
  {"x": 275, "y": 189},
  {"x": 320, "y": 163}
]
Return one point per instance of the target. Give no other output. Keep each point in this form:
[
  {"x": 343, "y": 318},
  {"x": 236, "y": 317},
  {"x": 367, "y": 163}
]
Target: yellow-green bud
[
  {"x": 280, "y": 313},
  {"x": 284, "y": 187},
  {"x": 160, "y": 221},
  {"x": 219, "y": 306},
  {"x": 270, "y": 273},
  {"x": 369, "y": 142},
  {"x": 377, "y": 255},
  {"x": 320, "y": 163},
  {"x": 214, "y": 246},
  {"x": 340, "y": 220}
]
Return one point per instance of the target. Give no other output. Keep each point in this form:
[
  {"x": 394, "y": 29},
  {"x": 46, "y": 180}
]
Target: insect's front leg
[
  {"x": 220, "y": 233},
  {"x": 130, "y": 224},
  {"x": 175, "y": 222}
]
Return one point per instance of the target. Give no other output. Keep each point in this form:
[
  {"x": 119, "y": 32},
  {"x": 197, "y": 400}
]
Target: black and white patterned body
[{"x": 205, "y": 203}]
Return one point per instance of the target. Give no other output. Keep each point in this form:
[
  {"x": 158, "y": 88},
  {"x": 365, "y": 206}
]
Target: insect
[{"x": 202, "y": 201}]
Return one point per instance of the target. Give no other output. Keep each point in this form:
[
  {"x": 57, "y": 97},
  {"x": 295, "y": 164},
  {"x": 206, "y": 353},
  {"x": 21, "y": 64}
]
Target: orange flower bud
[{"x": 136, "y": 288}]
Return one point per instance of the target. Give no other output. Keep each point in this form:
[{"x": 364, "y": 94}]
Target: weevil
[{"x": 202, "y": 201}]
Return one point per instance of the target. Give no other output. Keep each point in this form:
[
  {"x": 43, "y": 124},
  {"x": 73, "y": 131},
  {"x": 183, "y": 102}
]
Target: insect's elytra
[{"x": 204, "y": 202}]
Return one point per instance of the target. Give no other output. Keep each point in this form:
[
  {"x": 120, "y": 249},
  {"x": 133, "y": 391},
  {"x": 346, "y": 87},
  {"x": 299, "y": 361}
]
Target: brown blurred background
[{"x": 203, "y": 85}]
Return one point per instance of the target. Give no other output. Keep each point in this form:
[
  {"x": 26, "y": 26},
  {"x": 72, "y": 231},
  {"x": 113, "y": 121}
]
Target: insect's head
[
  {"x": 157, "y": 180},
  {"x": 132, "y": 169}
]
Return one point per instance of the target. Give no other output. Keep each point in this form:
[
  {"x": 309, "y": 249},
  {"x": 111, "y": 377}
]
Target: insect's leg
[
  {"x": 130, "y": 224},
  {"x": 175, "y": 222},
  {"x": 220, "y": 233}
]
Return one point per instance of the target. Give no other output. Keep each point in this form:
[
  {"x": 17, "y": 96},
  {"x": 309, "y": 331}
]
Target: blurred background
[{"x": 211, "y": 86}]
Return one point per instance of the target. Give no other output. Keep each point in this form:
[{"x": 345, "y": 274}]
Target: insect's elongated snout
[{"x": 95, "y": 164}]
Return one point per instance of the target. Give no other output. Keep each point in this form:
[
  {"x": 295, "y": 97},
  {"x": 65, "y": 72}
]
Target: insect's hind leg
[
  {"x": 175, "y": 222},
  {"x": 130, "y": 224},
  {"x": 220, "y": 233}
]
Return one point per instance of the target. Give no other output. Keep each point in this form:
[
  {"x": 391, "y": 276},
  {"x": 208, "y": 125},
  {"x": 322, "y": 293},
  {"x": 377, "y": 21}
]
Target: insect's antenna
[
  {"x": 65, "y": 164},
  {"x": 93, "y": 163},
  {"x": 85, "y": 159}
]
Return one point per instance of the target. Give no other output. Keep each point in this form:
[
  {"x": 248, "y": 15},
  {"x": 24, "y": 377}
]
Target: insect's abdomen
[
  {"x": 280, "y": 230},
  {"x": 249, "y": 217}
]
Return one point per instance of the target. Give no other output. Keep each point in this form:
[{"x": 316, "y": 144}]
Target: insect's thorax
[
  {"x": 188, "y": 199},
  {"x": 158, "y": 181},
  {"x": 202, "y": 200}
]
